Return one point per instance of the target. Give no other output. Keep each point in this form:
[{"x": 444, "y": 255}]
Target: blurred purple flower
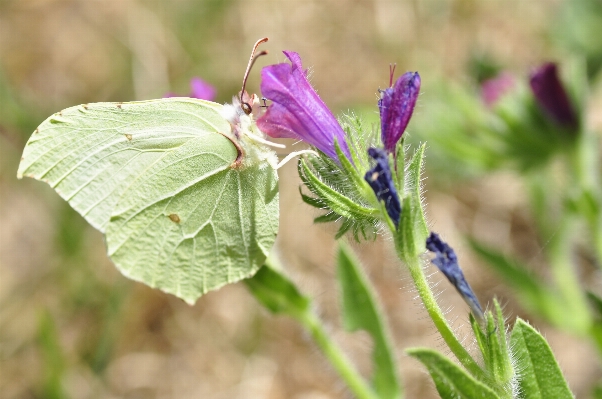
[
  {"x": 396, "y": 106},
  {"x": 495, "y": 88},
  {"x": 447, "y": 262},
  {"x": 198, "y": 89},
  {"x": 381, "y": 181},
  {"x": 296, "y": 110},
  {"x": 550, "y": 94}
]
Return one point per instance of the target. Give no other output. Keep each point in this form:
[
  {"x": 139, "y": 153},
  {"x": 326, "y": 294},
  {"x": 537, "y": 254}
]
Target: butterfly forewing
[{"x": 157, "y": 178}]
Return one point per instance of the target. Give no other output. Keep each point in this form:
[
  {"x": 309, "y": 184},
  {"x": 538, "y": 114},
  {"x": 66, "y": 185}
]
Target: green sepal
[
  {"x": 336, "y": 201},
  {"x": 451, "y": 380},
  {"x": 540, "y": 375},
  {"x": 349, "y": 169},
  {"x": 412, "y": 230},
  {"x": 399, "y": 165},
  {"x": 360, "y": 311},
  {"x": 312, "y": 201},
  {"x": 277, "y": 293},
  {"x": 326, "y": 218},
  {"x": 358, "y": 139},
  {"x": 493, "y": 343},
  {"x": 343, "y": 201}
]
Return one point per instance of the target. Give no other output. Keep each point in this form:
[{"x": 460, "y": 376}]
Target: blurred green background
[{"x": 72, "y": 327}]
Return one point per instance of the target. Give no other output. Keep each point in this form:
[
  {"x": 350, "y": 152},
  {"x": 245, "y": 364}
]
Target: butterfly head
[{"x": 241, "y": 114}]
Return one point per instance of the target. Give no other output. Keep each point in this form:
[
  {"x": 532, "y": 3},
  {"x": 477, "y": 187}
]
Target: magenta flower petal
[
  {"x": 198, "y": 89},
  {"x": 396, "y": 107},
  {"x": 495, "y": 88},
  {"x": 551, "y": 95},
  {"x": 297, "y": 111},
  {"x": 201, "y": 89}
]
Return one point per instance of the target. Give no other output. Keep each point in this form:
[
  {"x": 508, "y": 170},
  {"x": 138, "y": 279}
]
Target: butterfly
[{"x": 185, "y": 190}]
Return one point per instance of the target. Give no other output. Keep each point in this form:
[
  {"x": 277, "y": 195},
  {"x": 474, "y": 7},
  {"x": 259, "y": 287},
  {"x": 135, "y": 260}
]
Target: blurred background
[{"x": 71, "y": 326}]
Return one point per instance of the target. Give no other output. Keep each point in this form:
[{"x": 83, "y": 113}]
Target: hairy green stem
[
  {"x": 584, "y": 165},
  {"x": 565, "y": 277},
  {"x": 335, "y": 355},
  {"x": 436, "y": 314},
  {"x": 312, "y": 323}
]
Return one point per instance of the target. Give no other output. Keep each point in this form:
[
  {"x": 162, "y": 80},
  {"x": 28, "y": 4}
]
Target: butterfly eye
[{"x": 246, "y": 108}]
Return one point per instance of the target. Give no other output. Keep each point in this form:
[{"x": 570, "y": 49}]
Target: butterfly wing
[{"x": 156, "y": 177}]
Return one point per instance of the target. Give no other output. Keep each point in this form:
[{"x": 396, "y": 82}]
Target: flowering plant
[
  {"x": 136, "y": 172},
  {"x": 363, "y": 181},
  {"x": 536, "y": 128}
]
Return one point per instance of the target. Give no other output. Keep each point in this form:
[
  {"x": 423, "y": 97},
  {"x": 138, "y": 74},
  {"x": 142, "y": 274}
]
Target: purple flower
[
  {"x": 550, "y": 94},
  {"x": 447, "y": 261},
  {"x": 396, "y": 107},
  {"x": 381, "y": 181},
  {"x": 198, "y": 89},
  {"x": 296, "y": 110},
  {"x": 495, "y": 88}
]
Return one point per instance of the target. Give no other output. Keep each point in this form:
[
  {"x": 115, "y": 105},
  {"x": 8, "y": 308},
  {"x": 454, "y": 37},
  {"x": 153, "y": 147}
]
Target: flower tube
[{"x": 297, "y": 111}]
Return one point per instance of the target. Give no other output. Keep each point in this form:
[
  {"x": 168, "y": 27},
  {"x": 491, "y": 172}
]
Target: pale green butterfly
[{"x": 185, "y": 190}]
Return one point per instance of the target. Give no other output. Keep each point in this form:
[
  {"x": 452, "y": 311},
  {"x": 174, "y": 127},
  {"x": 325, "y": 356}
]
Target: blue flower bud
[
  {"x": 551, "y": 95},
  {"x": 396, "y": 106},
  {"x": 447, "y": 261},
  {"x": 381, "y": 181}
]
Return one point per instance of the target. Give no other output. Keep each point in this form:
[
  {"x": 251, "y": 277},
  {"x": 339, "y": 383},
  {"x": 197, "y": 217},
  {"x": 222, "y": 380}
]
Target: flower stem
[
  {"x": 278, "y": 294},
  {"x": 335, "y": 355},
  {"x": 584, "y": 166},
  {"x": 436, "y": 314},
  {"x": 566, "y": 279}
]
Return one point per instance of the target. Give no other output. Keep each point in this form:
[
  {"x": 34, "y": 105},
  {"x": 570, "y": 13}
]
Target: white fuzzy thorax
[{"x": 256, "y": 149}]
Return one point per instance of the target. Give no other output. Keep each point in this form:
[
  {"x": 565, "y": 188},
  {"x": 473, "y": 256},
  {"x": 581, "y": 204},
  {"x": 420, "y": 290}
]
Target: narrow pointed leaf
[
  {"x": 361, "y": 312},
  {"x": 276, "y": 292},
  {"x": 541, "y": 377},
  {"x": 451, "y": 380}
]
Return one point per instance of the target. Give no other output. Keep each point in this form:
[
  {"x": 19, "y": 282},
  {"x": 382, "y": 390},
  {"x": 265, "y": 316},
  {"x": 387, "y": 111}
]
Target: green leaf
[
  {"x": 276, "y": 292},
  {"x": 540, "y": 374},
  {"x": 361, "y": 312},
  {"x": 450, "y": 379},
  {"x": 185, "y": 208}
]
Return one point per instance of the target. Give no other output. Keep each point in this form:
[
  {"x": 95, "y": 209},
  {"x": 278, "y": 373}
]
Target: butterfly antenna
[
  {"x": 391, "y": 72},
  {"x": 246, "y": 107}
]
